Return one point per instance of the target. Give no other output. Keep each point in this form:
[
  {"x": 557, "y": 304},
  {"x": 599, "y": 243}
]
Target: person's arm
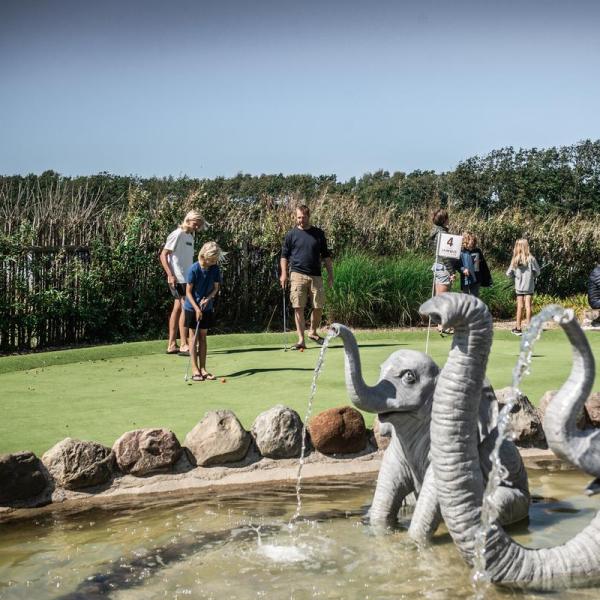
[
  {"x": 463, "y": 265},
  {"x": 329, "y": 267},
  {"x": 211, "y": 296},
  {"x": 283, "y": 267},
  {"x": 190, "y": 296},
  {"x": 164, "y": 261},
  {"x": 168, "y": 249}
]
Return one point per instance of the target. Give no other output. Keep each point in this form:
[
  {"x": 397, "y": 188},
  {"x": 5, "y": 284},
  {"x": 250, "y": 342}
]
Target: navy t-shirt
[
  {"x": 203, "y": 282},
  {"x": 304, "y": 248}
]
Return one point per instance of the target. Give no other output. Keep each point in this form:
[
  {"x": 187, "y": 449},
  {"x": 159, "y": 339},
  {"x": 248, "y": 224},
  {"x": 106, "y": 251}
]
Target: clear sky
[{"x": 203, "y": 88}]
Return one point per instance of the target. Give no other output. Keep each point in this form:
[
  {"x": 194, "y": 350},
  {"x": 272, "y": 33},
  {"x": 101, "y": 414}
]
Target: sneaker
[{"x": 516, "y": 331}]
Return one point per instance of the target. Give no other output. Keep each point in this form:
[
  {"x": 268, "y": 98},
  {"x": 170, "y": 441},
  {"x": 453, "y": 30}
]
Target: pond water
[{"x": 239, "y": 545}]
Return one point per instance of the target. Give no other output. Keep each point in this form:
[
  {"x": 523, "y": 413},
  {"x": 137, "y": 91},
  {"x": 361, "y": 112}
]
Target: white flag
[{"x": 449, "y": 245}]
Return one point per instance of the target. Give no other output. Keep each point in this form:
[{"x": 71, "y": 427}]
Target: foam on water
[{"x": 283, "y": 554}]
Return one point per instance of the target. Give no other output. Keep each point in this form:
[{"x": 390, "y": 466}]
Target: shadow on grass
[
  {"x": 248, "y": 372},
  {"x": 311, "y": 347}
]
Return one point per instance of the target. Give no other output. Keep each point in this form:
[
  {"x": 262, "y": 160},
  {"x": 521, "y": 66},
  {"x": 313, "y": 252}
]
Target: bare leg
[
  {"x": 183, "y": 332},
  {"x": 441, "y": 288},
  {"x": 527, "y": 308},
  {"x": 315, "y": 321},
  {"x": 193, "y": 346},
  {"x": 519, "y": 311},
  {"x": 174, "y": 320},
  {"x": 202, "y": 350},
  {"x": 300, "y": 324}
]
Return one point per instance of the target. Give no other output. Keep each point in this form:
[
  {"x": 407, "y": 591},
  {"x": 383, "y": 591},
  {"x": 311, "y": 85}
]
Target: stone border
[{"x": 128, "y": 490}]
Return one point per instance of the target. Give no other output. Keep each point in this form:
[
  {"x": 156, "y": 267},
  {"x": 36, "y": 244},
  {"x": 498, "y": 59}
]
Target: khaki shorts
[{"x": 303, "y": 285}]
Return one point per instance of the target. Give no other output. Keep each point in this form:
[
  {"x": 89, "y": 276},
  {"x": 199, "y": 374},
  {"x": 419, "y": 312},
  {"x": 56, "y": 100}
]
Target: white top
[{"x": 181, "y": 256}]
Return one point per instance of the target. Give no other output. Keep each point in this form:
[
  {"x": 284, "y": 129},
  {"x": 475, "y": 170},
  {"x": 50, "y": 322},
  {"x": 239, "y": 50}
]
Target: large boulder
[
  {"x": 583, "y": 419},
  {"x": 145, "y": 451},
  {"x": 21, "y": 477},
  {"x": 218, "y": 439},
  {"x": 278, "y": 432},
  {"x": 525, "y": 420},
  {"x": 338, "y": 431},
  {"x": 75, "y": 464}
]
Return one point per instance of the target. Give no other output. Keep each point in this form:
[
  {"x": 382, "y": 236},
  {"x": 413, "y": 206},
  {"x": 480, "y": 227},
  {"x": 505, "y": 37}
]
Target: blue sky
[{"x": 345, "y": 87}]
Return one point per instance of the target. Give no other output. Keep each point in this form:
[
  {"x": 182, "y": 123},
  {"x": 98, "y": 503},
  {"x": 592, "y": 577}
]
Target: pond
[{"x": 239, "y": 545}]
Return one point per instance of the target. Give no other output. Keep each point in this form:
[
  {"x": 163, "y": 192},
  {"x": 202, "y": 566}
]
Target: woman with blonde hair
[
  {"x": 176, "y": 258},
  {"x": 524, "y": 269}
]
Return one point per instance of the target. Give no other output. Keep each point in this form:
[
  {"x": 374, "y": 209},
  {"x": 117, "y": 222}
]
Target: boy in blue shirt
[{"x": 203, "y": 282}]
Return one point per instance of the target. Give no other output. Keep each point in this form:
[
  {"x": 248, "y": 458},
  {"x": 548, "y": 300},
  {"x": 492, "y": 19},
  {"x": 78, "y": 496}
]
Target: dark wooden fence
[{"x": 43, "y": 303}]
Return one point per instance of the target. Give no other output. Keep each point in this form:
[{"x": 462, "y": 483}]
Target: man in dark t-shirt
[{"x": 301, "y": 252}]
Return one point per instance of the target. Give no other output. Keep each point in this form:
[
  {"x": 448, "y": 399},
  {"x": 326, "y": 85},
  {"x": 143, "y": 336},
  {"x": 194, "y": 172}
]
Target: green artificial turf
[{"x": 99, "y": 393}]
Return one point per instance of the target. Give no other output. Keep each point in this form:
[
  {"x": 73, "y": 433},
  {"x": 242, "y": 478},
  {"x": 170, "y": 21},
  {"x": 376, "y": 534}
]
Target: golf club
[
  {"x": 189, "y": 362},
  {"x": 285, "y": 344}
]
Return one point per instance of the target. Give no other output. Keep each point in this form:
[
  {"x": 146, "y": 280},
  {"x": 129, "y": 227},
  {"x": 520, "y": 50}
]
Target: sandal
[
  {"x": 176, "y": 351},
  {"x": 209, "y": 377},
  {"x": 198, "y": 377},
  {"x": 298, "y": 346},
  {"x": 317, "y": 340}
]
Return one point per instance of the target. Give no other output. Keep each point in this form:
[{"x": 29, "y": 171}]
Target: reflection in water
[{"x": 238, "y": 546}]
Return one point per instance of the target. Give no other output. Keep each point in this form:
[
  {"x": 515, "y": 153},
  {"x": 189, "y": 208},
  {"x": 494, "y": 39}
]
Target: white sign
[{"x": 449, "y": 245}]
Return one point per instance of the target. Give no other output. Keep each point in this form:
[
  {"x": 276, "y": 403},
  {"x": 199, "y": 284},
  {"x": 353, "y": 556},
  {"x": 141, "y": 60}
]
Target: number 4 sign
[{"x": 449, "y": 245}]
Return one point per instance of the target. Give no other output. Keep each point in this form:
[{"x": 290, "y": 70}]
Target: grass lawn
[{"x": 99, "y": 393}]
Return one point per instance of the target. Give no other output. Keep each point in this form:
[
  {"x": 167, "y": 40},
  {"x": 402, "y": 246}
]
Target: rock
[
  {"x": 338, "y": 431},
  {"x": 592, "y": 409},
  {"x": 526, "y": 422},
  {"x": 583, "y": 419},
  {"x": 21, "y": 477},
  {"x": 145, "y": 451},
  {"x": 219, "y": 438},
  {"x": 382, "y": 433},
  {"x": 75, "y": 464},
  {"x": 278, "y": 432}
]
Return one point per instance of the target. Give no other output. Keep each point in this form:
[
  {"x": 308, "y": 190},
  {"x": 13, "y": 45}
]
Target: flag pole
[{"x": 437, "y": 251}]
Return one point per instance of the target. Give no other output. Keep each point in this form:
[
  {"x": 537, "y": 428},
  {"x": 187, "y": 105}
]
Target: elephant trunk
[
  {"x": 456, "y": 464},
  {"x": 454, "y": 439},
  {"x": 581, "y": 448},
  {"x": 370, "y": 399}
]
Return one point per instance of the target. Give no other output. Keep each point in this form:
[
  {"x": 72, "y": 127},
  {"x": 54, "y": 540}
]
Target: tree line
[{"x": 564, "y": 180}]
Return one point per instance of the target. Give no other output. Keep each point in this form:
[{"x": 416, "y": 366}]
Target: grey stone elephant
[
  {"x": 455, "y": 460},
  {"x": 403, "y": 398}
]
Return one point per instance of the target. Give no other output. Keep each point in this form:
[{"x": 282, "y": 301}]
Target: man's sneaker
[{"x": 516, "y": 331}]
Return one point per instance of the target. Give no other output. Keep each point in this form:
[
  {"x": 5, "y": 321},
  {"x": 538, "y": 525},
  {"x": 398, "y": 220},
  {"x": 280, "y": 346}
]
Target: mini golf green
[{"x": 99, "y": 393}]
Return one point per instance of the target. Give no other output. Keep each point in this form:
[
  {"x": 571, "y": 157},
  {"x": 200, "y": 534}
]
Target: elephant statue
[
  {"x": 402, "y": 399},
  {"x": 456, "y": 462}
]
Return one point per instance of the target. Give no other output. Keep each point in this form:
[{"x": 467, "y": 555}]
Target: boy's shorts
[
  {"x": 442, "y": 275},
  {"x": 178, "y": 290},
  {"x": 302, "y": 285},
  {"x": 206, "y": 322}
]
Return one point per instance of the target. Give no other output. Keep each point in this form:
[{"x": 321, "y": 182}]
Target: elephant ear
[{"x": 488, "y": 411}]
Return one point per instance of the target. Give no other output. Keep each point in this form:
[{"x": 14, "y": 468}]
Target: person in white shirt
[{"x": 176, "y": 258}]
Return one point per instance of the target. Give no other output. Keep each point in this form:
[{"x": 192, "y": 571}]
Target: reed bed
[{"x": 79, "y": 267}]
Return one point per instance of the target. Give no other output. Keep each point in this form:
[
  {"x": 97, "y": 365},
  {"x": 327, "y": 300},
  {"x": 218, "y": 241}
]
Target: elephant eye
[{"x": 408, "y": 377}]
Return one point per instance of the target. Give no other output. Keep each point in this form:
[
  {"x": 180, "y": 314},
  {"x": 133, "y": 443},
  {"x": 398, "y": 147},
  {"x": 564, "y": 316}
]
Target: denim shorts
[{"x": 442, "y": 275}]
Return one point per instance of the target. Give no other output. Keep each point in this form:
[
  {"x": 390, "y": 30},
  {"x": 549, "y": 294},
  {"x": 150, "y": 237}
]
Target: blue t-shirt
[{"x": 203, "y": 281}]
